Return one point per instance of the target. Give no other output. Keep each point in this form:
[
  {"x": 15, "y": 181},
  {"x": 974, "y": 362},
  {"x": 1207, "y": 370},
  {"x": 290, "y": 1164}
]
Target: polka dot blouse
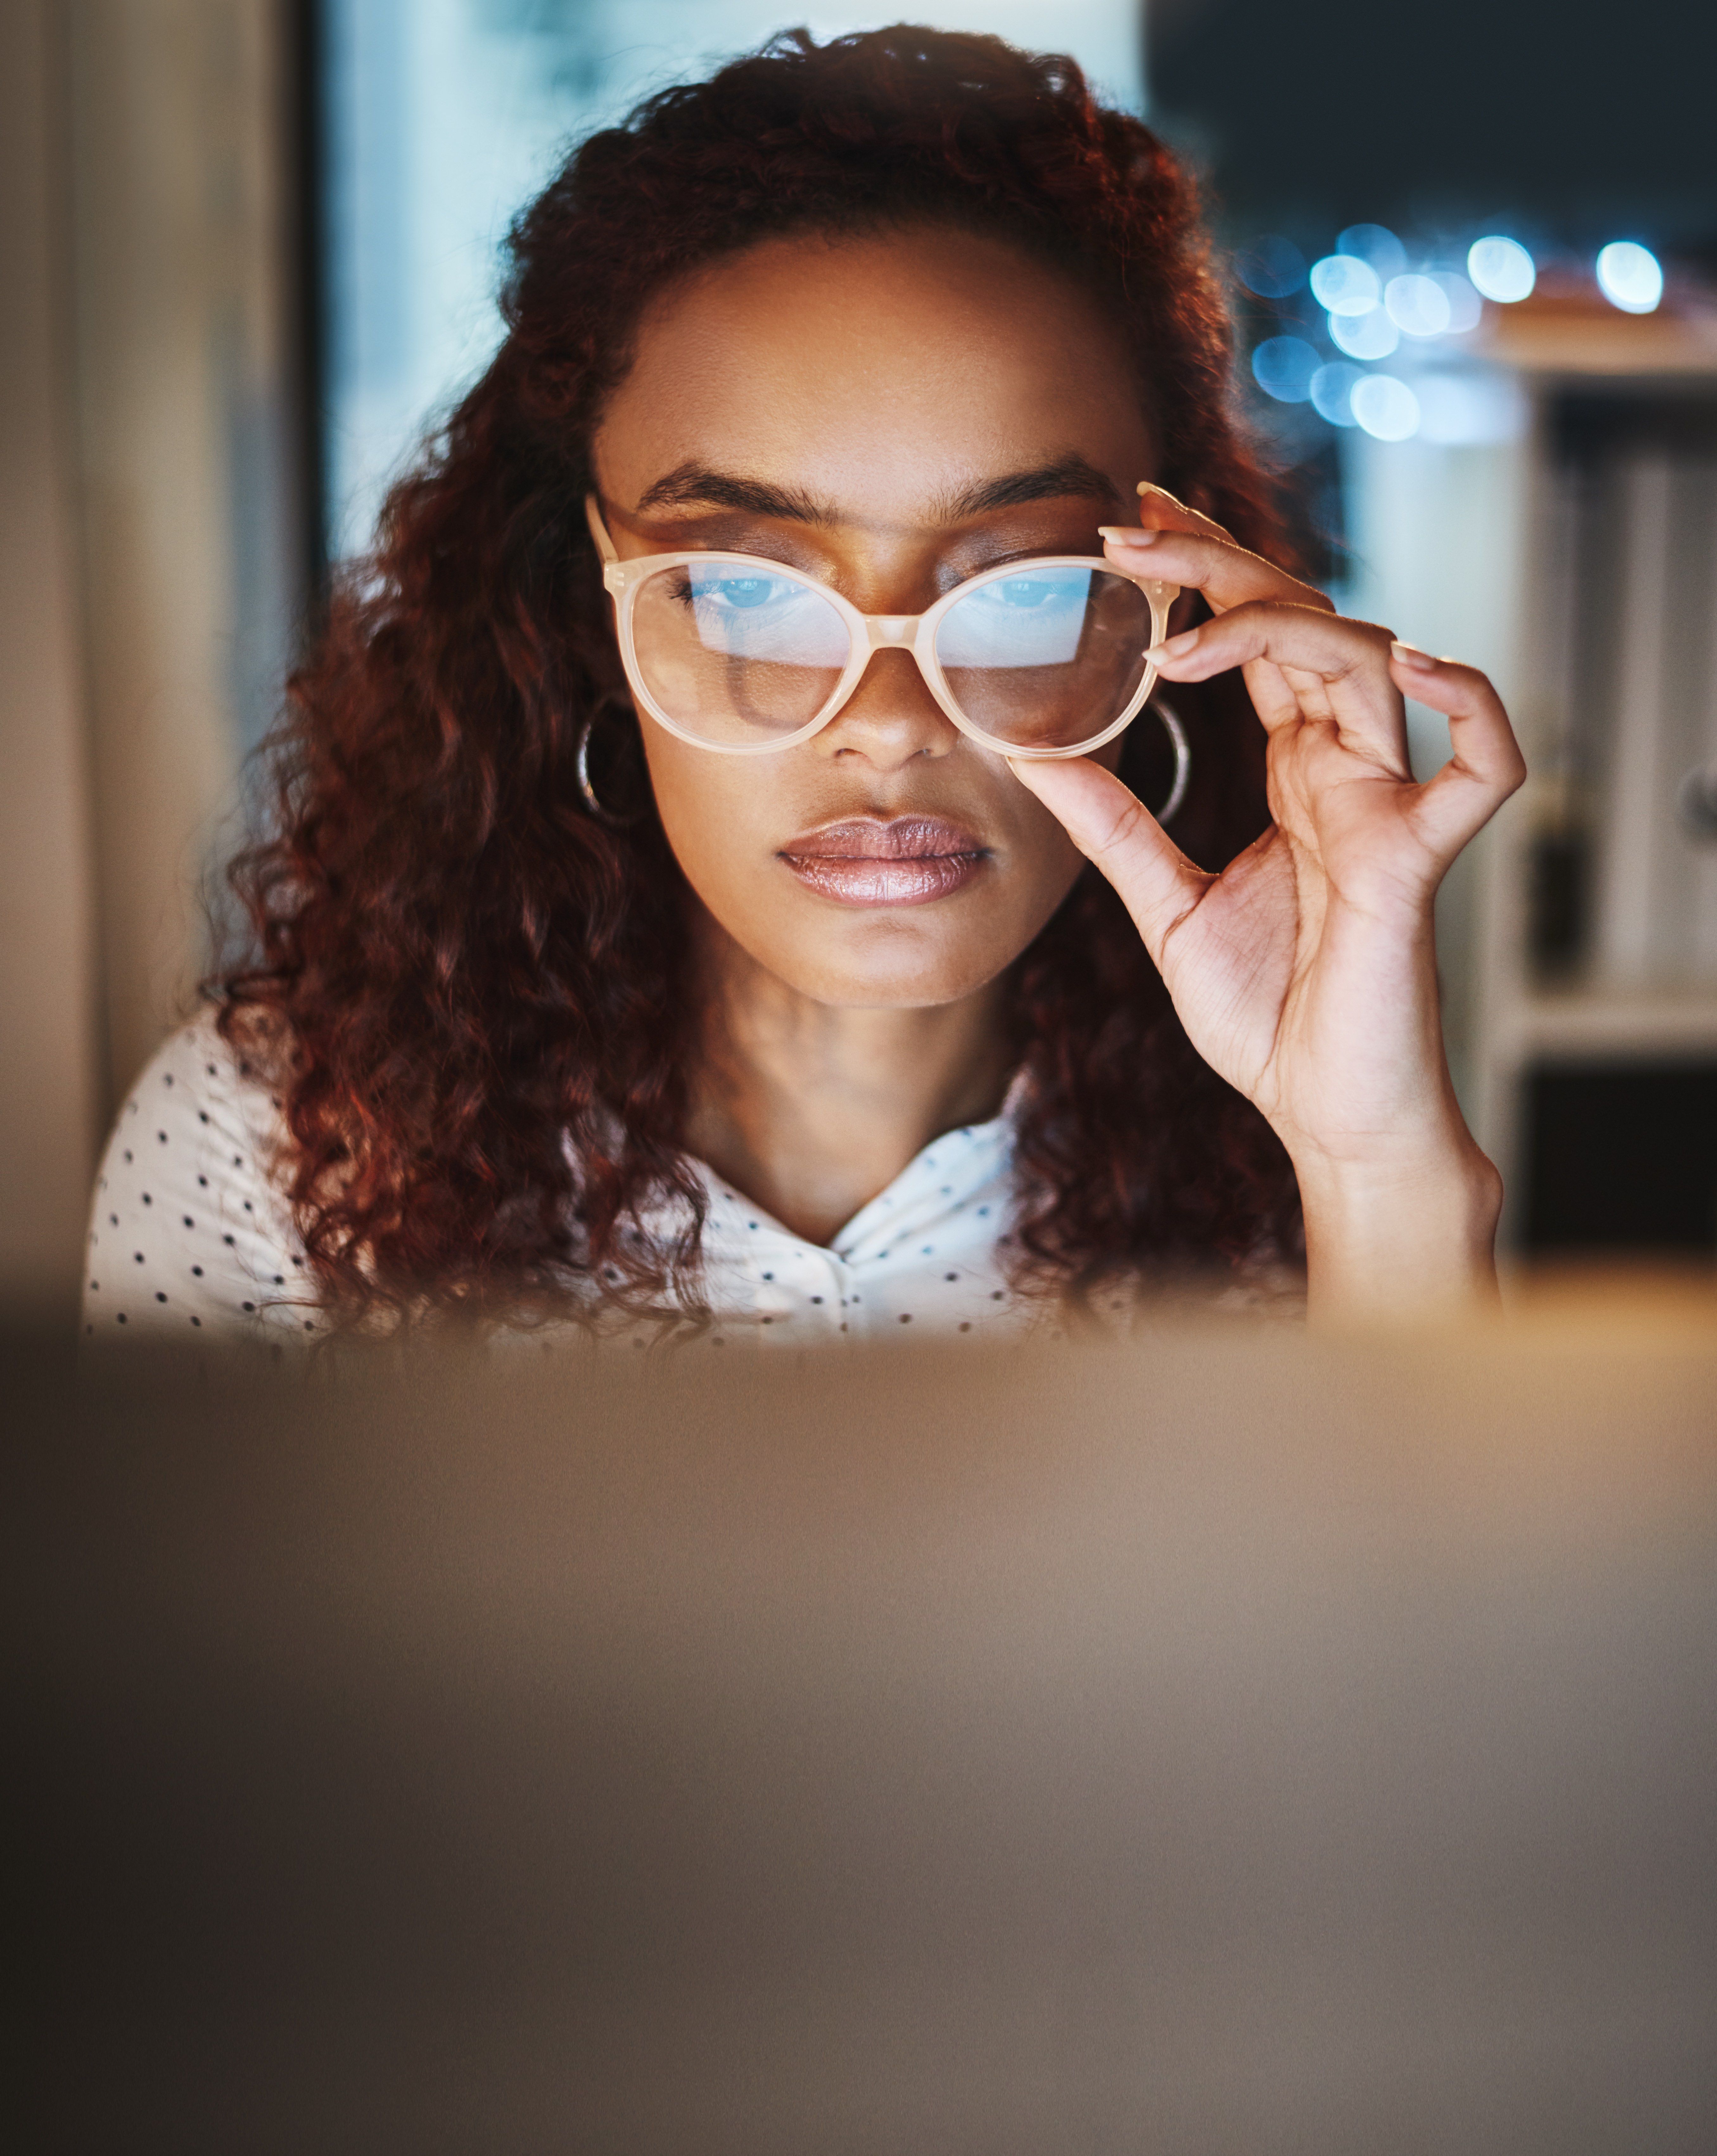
[{"x": 190, "y": 1238}]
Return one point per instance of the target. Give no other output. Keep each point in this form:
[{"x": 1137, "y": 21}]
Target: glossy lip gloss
[{"x": 866, "y": 861}]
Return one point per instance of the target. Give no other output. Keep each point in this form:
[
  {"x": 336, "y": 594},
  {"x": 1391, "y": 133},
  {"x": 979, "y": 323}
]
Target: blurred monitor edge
[{"x": 1230, "y": 1741}]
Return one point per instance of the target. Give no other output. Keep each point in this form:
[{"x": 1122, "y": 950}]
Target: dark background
[{"x": 1581, "y": 123}]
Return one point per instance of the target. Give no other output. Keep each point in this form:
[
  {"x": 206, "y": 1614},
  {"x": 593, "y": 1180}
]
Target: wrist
[{"x": 1409, "y": 1234}]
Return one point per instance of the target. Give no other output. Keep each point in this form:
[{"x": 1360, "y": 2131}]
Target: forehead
[{"x": 879, "y": 373}]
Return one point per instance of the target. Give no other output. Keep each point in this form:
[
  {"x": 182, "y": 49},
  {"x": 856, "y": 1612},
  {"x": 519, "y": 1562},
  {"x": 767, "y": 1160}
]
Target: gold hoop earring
[{"x": 582, "y": 765}]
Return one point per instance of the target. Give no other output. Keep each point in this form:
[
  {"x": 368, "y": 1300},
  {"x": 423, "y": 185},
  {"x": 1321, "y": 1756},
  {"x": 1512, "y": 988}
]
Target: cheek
[{"x": 718, "y": 812}]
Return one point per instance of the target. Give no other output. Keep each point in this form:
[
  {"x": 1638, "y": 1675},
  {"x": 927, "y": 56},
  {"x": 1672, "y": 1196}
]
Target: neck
[{"x": 811, "y": 1109}]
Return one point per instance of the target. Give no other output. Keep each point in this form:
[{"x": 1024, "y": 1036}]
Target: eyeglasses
[{"x": 743, "y": 655}]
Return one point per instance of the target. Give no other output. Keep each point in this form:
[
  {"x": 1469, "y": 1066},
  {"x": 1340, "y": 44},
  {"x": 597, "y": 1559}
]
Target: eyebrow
[{"x": 693, "y": 482}]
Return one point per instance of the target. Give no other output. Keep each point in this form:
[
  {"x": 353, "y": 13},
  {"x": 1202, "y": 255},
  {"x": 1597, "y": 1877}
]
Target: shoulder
[{"x": 190, "y": 1231}]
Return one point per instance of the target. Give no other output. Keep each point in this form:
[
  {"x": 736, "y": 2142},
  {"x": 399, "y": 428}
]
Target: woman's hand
[{"x": 1305, "y": 973}]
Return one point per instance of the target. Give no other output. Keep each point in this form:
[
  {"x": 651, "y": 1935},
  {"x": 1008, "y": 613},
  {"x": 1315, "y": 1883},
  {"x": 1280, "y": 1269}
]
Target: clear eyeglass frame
[{"x": 869, "y": 633}]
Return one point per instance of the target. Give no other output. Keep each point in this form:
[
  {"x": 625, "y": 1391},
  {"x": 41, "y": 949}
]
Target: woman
[{"x": 680, "y": 910}]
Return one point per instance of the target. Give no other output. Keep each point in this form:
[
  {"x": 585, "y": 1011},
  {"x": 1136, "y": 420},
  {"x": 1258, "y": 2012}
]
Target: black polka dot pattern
[
  {"x": 209, "y": 1246},
  {"x": 208, "y": 1241}
]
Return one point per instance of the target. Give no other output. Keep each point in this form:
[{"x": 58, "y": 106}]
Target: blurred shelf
[
  {"x": 1575, "y": 335},
  {"x": 1568, "y": 554},
  {"x": 1613, "y": 1022}
]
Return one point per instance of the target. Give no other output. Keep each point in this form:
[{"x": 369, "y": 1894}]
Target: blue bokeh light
[
  {"x": 1271, "y": 268},
  {"x": 1466, "y": 308},
  {"x": 1501, "y": 269},
  {"x": 1344, "y": 285},
  {"x": 1384, "y": 407},
  {"x": 1418, "y": 306},
  {"x": 1333, "y": 392},
  {"x": 1370, "y": 336},
  {"x": 1282, "y": 367},
  {"x": 1630, "y": 277},
  {"x": 1376, "y": 245}
]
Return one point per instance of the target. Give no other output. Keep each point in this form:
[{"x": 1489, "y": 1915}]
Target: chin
[{"x": 891, "y": 967}]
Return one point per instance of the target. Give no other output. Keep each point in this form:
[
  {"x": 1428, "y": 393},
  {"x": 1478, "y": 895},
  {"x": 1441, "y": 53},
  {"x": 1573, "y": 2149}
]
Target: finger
[
  {"x": 1301, "y": 664},
  {"x": 1308, "y": 640},
  {"x": 1225, "y": 573},
  {"x": 1112, "y": 828},
  {"x": 1157, "y": 506},
  {"x": 1486, "y": 765}
]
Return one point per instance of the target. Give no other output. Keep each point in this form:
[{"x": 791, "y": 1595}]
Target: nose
[{"x": 892, "y": 717}]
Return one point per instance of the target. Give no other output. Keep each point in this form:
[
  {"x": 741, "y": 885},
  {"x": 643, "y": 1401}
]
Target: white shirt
[{"x": 190, "y": 1238}]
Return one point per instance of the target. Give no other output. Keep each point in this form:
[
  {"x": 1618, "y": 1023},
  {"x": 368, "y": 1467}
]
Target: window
[{"x": 443, "y": 117}]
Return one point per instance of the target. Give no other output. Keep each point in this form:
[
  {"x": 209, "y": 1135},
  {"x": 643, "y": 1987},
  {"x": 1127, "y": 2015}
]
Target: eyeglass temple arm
[{"x": 599, "y": 532}]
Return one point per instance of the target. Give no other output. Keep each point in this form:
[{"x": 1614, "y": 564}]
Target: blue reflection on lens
[
  {"x": 747, "y": 613},
  {"x": 1017, "y": 621},
  {"x": 743, "y": 591}
]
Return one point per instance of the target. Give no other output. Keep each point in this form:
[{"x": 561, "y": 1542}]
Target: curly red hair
[{"x": 476, "y": 996}]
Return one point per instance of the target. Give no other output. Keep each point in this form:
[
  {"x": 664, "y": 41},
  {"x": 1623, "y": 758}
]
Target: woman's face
[{"x": 892, "y": 415}]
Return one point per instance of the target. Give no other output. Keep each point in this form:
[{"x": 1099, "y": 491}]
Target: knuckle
[
  {"x": 1296, "y": 592},
  {"x": 1129, "y": 821}
]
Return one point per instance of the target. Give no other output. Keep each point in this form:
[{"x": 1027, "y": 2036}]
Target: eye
[
  {"x": 743, "y": 593},
  {"x": 1026, "y": 594},
  {"x": 749, "y": 591}
]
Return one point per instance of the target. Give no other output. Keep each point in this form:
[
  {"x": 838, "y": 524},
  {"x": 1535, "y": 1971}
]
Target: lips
[{"x": 905, "y": 862}]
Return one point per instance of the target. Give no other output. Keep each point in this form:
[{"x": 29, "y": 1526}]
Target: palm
[
  {"x": 1296, "y": 971},
  {"x": 1304, "y": 973}
]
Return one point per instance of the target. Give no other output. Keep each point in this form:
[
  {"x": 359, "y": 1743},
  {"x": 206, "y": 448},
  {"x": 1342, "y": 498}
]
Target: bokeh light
[
  {"x": 1344, "y": 285},
  {"x": 1333, "y": 392},
  {"x": 1376, "y": 245},
  {"x": 1629, "y": 277},
  {"x": 1370, "y": 336},
  {"x": 1384, "y": 407},
  {"x": 1282, "y": 367},
  {"x": 1466, "y": 308},
  {"x": 1501, "y": 269},
  {"x": 1418, "y": 306},
  {"x": 1270, "y": 267}
]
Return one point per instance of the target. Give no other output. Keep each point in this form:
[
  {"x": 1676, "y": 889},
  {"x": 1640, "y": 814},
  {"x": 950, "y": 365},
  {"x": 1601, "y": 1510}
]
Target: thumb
[{"x": 1115, "y": 829}]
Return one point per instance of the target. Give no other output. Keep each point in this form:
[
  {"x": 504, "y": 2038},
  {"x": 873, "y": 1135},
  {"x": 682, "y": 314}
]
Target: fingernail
[
  {"x": 1410, "y": 655},
  {"x": 1127, "y": 535},
  {"x": 1150, "y": 486},
  {"x": 1175, "y": 647}
]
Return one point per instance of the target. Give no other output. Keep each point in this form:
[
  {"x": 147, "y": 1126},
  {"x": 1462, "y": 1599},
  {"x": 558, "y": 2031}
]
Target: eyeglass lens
[
  {"x": 744, "y": 654},
  {"x": 1046, "y": 660},
  {"x": 736, "y": 654}
]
